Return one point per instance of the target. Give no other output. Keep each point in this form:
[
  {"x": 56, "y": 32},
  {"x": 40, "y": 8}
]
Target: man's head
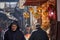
[
  {"x": 14, "y": 26},
  {"x": 38, "y": 26},
  {"x": 27, "y": 27}
]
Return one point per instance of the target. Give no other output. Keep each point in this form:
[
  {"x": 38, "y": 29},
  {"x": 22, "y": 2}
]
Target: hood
[{"x": 16, "y": 23}]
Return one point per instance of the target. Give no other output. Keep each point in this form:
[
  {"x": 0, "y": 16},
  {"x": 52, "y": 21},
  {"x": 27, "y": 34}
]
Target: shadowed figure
[
  {"x": 39, "y": 34},
  {"x": 13, "y": 33}
]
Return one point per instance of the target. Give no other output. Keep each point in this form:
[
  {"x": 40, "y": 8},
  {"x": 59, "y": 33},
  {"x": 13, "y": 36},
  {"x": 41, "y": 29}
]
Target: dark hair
[
  {"x": 15, "y": 23},
  {"x": 28, "y": 26},
  {"x": 37, "y": 26}
]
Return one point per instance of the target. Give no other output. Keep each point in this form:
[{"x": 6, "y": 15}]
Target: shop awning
[{"x": 34, "y": 2}]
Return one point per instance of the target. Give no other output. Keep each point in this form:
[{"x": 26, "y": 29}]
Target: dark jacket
[
  {"x": 14, "y": 35},
  {"x": 39, "y": 35}
]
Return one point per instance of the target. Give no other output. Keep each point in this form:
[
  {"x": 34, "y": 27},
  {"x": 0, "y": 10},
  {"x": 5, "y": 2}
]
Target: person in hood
[
  {"x": 39, "y": 34},
  {"x": 13, "y": 33}
]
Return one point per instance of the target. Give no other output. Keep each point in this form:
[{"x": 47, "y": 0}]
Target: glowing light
[{"x": 52, "y": 13}]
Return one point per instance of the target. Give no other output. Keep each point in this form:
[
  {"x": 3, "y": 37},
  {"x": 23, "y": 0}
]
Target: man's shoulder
[{"x": 34, "y": 31}]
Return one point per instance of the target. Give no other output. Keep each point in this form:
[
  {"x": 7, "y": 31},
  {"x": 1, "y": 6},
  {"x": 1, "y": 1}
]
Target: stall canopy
[{"x": 34, "y": 2}]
